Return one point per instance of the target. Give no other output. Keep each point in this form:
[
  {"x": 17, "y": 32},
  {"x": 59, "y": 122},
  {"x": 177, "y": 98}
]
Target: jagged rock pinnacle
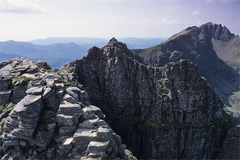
[{"x": 112, "y": 41}]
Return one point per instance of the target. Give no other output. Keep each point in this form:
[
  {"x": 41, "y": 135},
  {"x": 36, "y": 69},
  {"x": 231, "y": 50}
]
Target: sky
[{"x": 25, "y": 20}]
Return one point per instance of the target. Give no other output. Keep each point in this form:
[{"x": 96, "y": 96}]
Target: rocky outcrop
[
  {"x": 160, "y": 112},
  {"x": 218, "y": 32},
  {"x": 54, "y": 118}
]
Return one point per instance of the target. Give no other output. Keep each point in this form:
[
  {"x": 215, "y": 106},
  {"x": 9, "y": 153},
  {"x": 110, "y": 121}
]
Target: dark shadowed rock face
[
  {"x": 160, "y": 112},
  {"x": 53, "y": 118}
]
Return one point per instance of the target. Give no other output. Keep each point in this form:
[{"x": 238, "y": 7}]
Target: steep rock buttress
[{"x": 160, "y": 112}]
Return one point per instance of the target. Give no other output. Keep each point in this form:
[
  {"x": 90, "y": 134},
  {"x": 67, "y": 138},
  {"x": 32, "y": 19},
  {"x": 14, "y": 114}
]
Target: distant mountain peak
[
  {"x": 115, "y": 43},
  {"x": 216, "y": 31}
]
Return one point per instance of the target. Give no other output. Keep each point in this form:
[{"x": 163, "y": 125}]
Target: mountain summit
[
  {"x": 112, "y": 41},
  {"x": 216, "y": 31},
  {"x": 200, "y": 45}
]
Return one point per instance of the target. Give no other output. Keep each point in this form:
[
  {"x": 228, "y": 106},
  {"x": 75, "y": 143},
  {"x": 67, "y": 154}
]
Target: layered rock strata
[{"x": 54, "y": 118}]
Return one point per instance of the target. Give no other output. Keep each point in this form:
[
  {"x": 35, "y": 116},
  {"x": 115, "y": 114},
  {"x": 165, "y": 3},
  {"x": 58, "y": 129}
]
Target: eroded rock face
[
  {"x": 54, "y": 119},
  {"x": 164, "y": 112}
]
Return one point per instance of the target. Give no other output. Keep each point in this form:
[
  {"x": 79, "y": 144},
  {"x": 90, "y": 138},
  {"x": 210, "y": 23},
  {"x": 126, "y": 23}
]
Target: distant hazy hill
[
  {"x": 203, "y": 46},
  {"x": 7, "y": 56},
  {"x": 132, "y": 43},
  {"x": 56, "y": 54}
]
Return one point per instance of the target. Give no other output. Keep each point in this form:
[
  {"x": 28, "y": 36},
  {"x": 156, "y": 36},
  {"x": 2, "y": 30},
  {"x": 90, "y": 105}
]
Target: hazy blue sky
[{"x": 25, "y": 20}]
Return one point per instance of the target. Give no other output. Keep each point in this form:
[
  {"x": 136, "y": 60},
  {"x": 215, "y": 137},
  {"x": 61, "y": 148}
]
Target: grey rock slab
[
  {"x": 92, "y": 123},
  {"x": 97, "y": 147},
  {"x": 69, "y": 99},
  {"x": 66, "y": 146},
  {"x": 19, "y": 92},
  {"x": 74, "y": 92},
  {"x": 67, "y": 120},
  {"x": 104, "y": 134},
  {"x": 30, "y": 106},
  {"x": 35, "y": 90},
  {"x": 67, "y": 108},
  {"x": 86, "y": 124},
  {"x": 90, "y": 112},
  {"x": 5, "y": 96},
  {"x": 84, "y": 136},
  {"x": 47, "y": 93},
  {"x": 5, "y": 83},
  {"x": 67, "y": 130}
]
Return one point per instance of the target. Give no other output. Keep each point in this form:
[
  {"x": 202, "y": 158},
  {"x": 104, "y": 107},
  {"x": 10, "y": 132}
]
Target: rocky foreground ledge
[{"x": 45, "y": 115}]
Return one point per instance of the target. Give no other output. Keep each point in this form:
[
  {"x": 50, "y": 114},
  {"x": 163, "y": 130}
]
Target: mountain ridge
[
  {"x": 146, "y": 105},
  {"x": 195, "y": 44}
]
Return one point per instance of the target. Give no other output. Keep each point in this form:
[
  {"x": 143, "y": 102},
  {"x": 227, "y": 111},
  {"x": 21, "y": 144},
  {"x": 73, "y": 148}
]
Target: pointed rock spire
[{"x": 112, "y": 41}]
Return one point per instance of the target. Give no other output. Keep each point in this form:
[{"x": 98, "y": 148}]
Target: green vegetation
[
  {"x": 2, "y": 123},
  {"x": 23, "y": 78},
  {"x": 78, "y": 84},
  {"x": 64, "y": 81},
  {"x": 234, "y": 100},
  {"x": 99, "y": 158},
  {"x": 6, "y": 107},
  {"x": 130, "y": 155}
]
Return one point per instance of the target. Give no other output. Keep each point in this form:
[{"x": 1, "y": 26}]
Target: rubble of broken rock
[{"x": 45, "y": 115}]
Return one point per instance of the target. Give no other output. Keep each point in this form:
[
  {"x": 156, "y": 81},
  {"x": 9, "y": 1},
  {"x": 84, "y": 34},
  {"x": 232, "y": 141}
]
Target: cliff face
[
  {"x": 45, "y": 115},
  {"x": 160, "y": 112},
  {"x": 203, "y": 46}
]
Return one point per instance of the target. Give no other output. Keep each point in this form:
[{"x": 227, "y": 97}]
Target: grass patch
[
  {"x": 22, "y": 78},
  {"x": 234, "y": 100},
  {"x": 6, "y": 107},
  {"x": 64, "y": 81},
  {"x": 2, "y": 123},
  {"x": 130, "y": 155}
]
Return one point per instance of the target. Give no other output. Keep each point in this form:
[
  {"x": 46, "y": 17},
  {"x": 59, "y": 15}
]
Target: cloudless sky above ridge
[{"x": 24, "y": 20}]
